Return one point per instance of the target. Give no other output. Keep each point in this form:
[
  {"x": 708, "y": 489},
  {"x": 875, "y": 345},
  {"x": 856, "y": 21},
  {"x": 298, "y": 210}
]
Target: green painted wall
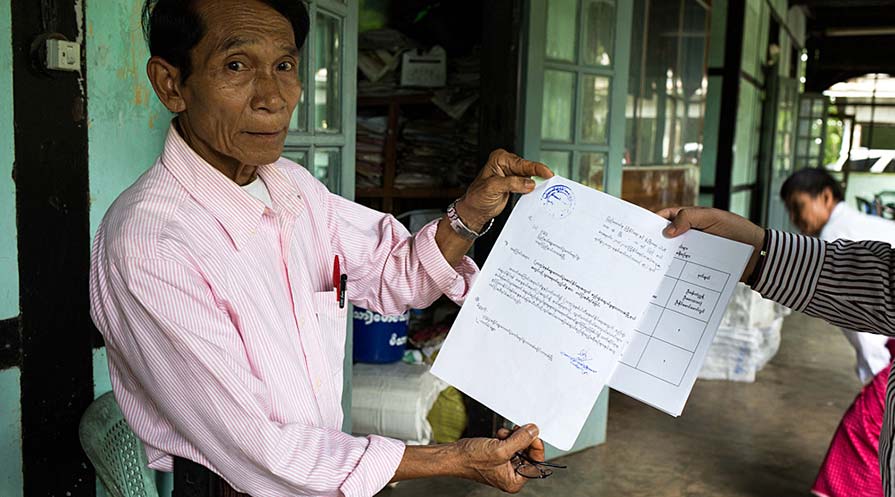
[
  {"x": 127, "y": 123},
  {"x": 10, "y": 391},
  {"x": 9, "y": 274},
  {"x": 10, "y": 434}
]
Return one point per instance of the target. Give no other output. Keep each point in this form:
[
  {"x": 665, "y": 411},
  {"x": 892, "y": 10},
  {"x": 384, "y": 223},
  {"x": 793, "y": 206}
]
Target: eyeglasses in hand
[{"x": 529, "y": 468}]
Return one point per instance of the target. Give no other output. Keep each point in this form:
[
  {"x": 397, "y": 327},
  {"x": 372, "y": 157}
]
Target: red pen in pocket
[
  {"x": 337, "y": 277},
  {"x": 340, "y": 283}
]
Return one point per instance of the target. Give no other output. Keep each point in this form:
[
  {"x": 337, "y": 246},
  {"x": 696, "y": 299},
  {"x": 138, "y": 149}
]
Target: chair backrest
[{"x": 116, "y": 453}]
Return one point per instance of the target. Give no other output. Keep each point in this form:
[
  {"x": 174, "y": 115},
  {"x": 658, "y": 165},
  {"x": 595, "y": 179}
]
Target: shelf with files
[{"x": 390, "y": 197}]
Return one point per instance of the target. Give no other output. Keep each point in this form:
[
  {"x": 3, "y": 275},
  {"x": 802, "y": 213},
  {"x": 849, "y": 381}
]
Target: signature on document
[{"x": 580, "y": 361}]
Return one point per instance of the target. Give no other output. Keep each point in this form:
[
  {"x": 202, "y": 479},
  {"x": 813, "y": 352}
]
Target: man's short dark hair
[
  {"x": 173, "y": 27},
  {"x": 812, "y": 181}
]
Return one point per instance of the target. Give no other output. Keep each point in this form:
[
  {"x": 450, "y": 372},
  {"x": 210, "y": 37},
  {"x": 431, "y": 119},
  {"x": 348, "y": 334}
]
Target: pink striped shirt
[{"x": 224, "y": 336}]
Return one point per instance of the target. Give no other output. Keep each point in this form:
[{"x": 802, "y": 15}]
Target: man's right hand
[{"x": 716, "y": 222}]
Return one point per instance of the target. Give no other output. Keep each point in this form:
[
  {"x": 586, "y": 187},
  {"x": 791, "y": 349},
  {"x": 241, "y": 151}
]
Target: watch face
[{"x": 460, "y": 228}]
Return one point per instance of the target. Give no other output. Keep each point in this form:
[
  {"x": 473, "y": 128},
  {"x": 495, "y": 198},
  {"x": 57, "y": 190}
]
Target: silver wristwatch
[{"x": 460, "y": 228}]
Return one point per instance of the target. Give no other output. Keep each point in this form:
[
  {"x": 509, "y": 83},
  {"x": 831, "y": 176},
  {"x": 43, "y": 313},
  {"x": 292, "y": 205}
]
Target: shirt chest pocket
[{"x": 333, "y": 322}]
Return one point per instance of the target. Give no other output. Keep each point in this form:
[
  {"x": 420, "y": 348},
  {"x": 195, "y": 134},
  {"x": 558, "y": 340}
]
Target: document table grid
[{"x": 669, "y": 332}]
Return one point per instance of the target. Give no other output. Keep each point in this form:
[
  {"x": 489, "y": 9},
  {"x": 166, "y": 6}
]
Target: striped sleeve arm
[{"x": 846, "y": 283}]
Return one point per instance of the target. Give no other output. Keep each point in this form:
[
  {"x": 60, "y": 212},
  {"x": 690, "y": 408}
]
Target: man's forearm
[
  {"x": 485, "y": 460},
  {"x": 424, "y": 461}
]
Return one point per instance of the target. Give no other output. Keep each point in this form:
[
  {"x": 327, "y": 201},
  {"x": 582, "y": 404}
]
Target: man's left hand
[
  {"x": 490, "y": 460},
  {"x": 488, "y": 194}
]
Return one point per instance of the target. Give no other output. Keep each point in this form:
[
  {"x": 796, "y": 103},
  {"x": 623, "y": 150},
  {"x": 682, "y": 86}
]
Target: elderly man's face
[{"x": 244, "y": 84}]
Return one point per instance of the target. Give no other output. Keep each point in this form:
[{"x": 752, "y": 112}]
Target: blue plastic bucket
[{"x": 379, "y": 339}]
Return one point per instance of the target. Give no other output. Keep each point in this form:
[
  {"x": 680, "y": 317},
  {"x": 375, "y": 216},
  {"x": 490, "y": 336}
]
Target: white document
[
  {"x": 555, "y": 308},
  {"x": 673, "y": 336}
]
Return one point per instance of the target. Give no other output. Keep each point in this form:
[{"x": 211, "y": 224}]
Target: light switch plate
[{"x": 63, "y": 55}]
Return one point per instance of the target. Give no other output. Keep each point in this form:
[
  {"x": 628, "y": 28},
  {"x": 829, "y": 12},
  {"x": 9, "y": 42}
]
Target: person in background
[
  {"x": 847, "y": 283},
  {"x": 816, "y": 205}
]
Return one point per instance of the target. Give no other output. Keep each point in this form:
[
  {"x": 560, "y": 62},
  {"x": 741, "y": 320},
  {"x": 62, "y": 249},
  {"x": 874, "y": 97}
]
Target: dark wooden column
[
  {"x": 501, "y": 92},
  {"x": 54, "y": 241},
  {"x": 501, "y": 115}
]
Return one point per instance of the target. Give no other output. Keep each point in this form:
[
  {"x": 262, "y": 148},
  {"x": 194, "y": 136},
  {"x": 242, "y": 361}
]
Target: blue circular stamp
[{"x": 558, "y": 200}]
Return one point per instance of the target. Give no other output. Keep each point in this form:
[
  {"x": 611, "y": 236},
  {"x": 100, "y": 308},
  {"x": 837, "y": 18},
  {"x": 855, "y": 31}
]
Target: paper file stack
[
  {"x": 394, "y": 400},
  {"x": 747, "y": 339}
]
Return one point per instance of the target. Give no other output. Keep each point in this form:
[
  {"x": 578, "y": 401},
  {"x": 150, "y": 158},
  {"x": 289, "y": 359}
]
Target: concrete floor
[{"x": 764, "y": 439}]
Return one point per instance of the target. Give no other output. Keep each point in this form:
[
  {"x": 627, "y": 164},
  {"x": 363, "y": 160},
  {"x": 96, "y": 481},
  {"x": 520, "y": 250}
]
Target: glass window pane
[
  {"x": 752, "y": 26},
  {"x": 817, "y": 127},
  {"x": 559, "y": 162},
  {"x": 668, "y": 82},
  {"x": 744, "y": 166},
  {"x": 559, "y": 93},
  {"x": 814, "y": 148},
  {"x": 328, "y": 74},
  {"x": 595, "y": 112},
  {"x": 599, "y": 32},
  {"x": 802, "y": 146},
  {"x": 562, "y": 24},
  {"x": 817, "y": 107},
  {"x": 590, "y": 170},
  {"x": 692, "y": 134},
  {"x": 297, "y": 155},
  {"x": 299, "y": 121},
  {"x": 806, "y": 107},
  {"x": 783, "y": 145},
  {"x": 783, "y": 165},
  {"x": 669, "y": 141},
  {"x": 326, "y": 167},
  {"x": 693, "y": 43}
]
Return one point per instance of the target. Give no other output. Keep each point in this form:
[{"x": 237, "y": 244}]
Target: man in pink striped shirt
[{"x": 211, "y": 276}]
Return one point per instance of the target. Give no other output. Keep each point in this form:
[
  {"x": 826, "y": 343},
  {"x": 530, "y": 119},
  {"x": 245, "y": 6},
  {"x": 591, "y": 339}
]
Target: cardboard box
[{"x": 424, "y": 69}]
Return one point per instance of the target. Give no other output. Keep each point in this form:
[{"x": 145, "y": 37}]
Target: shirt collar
[
  {"x": 237, "y": 211},
  {"x": 839, "y": 213},
  {"x": 841, "y": 210},
  {"x": 283, "y": 191}
]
